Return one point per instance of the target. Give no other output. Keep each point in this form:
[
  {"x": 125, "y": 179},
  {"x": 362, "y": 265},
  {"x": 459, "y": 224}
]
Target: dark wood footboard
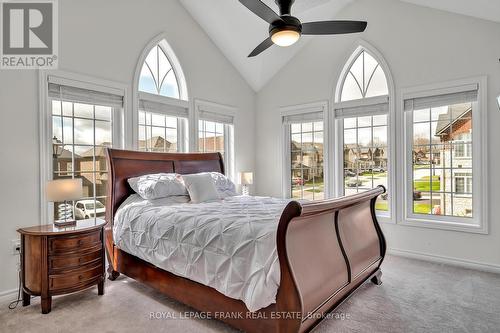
[{"x": 326, "y": 250}]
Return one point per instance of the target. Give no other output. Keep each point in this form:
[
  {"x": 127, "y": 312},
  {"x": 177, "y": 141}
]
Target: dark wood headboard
[{"x": 124, "y": 164}]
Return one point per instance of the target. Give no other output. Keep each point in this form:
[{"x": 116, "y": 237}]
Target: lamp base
[
  {"x": 64, "y": 223},
  {"x": 244, "y": 190}
]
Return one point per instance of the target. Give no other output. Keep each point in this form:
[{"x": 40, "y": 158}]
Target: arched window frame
[
  {"x": 184, "y": 132},
  {"x": 336, "y": 160}
]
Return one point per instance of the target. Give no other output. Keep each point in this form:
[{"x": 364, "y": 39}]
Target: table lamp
[
  {"x": 63, "y": 190},
  {"x": 246, "y": 178}
]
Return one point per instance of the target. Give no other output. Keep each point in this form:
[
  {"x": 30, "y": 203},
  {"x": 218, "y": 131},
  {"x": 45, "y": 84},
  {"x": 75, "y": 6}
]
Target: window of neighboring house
[
  {"x": 362, "y": 115},
  {"x": 463, "y": 183},
  {"x": 441, "y": 137},
  {"x": 463, "y": 147},
  {"x": 306, "y": 157},
  {"x": 82, "y": 123},
  {"x": 162, "y": 113}
]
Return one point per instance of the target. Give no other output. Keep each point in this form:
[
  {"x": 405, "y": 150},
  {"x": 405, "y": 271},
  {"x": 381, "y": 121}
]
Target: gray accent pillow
[{"x": 201, "y": 187}]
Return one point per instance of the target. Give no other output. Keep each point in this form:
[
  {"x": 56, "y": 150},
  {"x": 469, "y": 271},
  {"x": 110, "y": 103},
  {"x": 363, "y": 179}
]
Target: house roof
[{"x": 455, "y": 113}]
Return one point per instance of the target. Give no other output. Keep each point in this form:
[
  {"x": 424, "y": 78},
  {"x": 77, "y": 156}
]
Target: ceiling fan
[{"x": 285, "y": 29}]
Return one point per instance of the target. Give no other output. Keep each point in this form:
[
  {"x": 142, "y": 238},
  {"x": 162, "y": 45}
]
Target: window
[
  {"x": 362, "y": 117},
  {"x": 157, "y": 74},
  {"x": 304, "y": 174},
  {"x": 161, "y": 133},
  {"x": 215, "y": 132},
  {"x": 82, "y": 127},
  {"x": 444, "y": 157},
  {"x": 365, "y": 155},
  {"x": 162, "y": 114},
  {"x": 463, "y": 147},
  {"x": 365, "y": 78},
  {"x": 306, "y": 156},
  {"x": 211, "y": 137},
  {"x": 463, "y": 183}
]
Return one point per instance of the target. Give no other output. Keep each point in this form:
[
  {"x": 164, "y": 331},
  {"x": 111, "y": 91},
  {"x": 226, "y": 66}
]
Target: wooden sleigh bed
[{"x": 326, "y": 250}]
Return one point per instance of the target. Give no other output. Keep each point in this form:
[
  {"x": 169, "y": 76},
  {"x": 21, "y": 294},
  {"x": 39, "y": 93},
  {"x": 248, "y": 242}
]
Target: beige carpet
[{"x": 416, "y": 296}]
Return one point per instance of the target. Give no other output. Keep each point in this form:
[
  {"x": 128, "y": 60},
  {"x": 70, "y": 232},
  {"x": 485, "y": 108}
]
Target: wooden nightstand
[{"x": 57, "y": 261}]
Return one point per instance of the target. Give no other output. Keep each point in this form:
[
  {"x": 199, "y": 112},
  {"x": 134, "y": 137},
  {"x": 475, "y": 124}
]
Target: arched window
[
  {"x": 365, "y": 78},
  {"x": 157, "y": 75},
  {"x": 162, "y": 107},
  {"x": 362, "y": 112}
]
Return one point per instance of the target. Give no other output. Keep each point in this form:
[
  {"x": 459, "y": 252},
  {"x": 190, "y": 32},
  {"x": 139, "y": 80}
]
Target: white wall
[
  {"x": 421, "y": 46},
  {"x": 104, "y": 39}
]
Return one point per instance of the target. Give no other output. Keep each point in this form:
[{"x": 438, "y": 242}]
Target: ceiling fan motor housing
[
  {"x": 286, "y": 23},
  {"x": 285, "y": 6}
]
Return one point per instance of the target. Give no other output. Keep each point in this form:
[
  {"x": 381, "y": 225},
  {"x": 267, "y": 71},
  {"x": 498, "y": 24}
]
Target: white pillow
[
  {"x": 224, "y": 185},
  {"x": 201, "y": 187},
  {"x": 158, "y": 185}
]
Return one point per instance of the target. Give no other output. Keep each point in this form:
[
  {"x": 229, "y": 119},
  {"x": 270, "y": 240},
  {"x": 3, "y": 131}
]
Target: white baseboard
[
  {"x": 446, "y": 260},
  {"x": 8, "y": 296}
]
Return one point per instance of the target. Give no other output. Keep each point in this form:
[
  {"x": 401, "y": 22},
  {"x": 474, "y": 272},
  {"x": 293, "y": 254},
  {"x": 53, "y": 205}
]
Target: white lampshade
[
  {"x": 285, "y": 37},
  {"x": 246, "y": 178},
  {"x": 64, "y": 189}
]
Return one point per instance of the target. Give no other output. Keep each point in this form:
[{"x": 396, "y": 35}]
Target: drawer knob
[
  {"x": 80, "y": 242},
  {"x": 80, "y": 277}
]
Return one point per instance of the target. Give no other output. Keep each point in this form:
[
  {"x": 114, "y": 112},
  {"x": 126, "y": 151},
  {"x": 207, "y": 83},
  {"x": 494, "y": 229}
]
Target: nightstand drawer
[
  {"x": 73, "y": 279},
  {"x": 74, "y": 243},
  {"x": 73, "y": 261}
]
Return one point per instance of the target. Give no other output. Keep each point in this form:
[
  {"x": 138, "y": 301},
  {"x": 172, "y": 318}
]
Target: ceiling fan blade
[
  {"x": 333, "y": 27},
  {"x": 261, "y": 10},
  {"x": 262, "y": 47}
]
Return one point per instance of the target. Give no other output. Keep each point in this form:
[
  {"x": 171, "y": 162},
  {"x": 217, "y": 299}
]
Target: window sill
[{"x": 442, "y": 225}]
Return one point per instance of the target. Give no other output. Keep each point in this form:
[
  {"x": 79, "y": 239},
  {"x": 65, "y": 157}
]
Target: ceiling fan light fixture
[{"x": 285, "y": 37}]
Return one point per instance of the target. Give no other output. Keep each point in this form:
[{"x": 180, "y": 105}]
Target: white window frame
[
  {"x": 119, "y": 123},
  {"x": 336, "y": 130},
  {"x": 302, "y": 109},
  {"x": 224, "y": 110},
  {"x": 186, "y": 134},
  {"x": 478, "y": 223}
]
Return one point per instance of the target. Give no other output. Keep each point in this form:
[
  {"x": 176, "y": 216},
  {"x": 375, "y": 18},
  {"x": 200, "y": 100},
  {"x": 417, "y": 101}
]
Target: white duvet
[{"x": 229, "y": 245}]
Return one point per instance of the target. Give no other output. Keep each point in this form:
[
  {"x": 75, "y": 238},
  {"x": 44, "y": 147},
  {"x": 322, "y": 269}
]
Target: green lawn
[
  {"x": 424, "y": 184},
  {"x": 421, "y": 208}
]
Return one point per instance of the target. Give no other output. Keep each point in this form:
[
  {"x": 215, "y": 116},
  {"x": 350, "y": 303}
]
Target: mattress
[{"x": 229, "y": 245}]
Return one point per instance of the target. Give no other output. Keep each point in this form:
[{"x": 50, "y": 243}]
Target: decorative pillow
[
  {"x": 224, "y": 185},
  {"x": 201, "y": 187},
  {"x": 158, "y": 185}
]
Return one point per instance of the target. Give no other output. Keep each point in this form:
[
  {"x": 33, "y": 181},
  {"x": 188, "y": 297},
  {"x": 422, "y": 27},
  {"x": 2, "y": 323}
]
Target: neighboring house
[
  {"x": 360, "y": 159},
  {"x": 211, "y": 144},
  {"x": 307, "y": 160},
  {"x": 157, "y": 144},
  {"x": 454, "y": 129}
]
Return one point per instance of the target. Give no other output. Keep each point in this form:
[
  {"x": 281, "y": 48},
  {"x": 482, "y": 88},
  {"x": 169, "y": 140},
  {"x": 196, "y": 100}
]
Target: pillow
[
  {"x": 201, "y": 187},
  {"x": 224, "y": 185},
  {"x": 158, "y": 185}
]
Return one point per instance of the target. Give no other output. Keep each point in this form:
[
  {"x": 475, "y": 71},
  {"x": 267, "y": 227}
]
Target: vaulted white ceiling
[{"x": 236, "y": 31}]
